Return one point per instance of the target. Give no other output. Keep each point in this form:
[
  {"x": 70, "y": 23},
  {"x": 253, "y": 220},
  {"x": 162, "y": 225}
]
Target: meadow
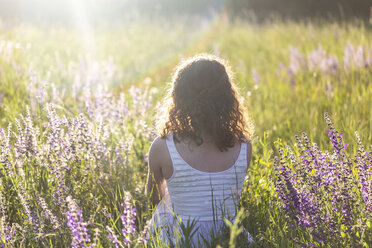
[{"x": 77, "y": 114}]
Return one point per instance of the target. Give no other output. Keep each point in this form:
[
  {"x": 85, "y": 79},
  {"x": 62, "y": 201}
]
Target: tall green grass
[{"x": 281, "y": 106}]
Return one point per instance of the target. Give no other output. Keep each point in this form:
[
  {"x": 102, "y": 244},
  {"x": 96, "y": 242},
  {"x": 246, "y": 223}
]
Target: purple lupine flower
[
  {"x": 356, "y": 57},
  {"x": 316, "y": 59},
  {"x": 364, "y": 165},
  {"x": 348, "y": 57},
  {"x": 318, "y": 191},
  {"x": 143, "y": 236},
  {"x": 113, "y": 238},
  {"x": 296, "y": 60},
  {"x": 335, "y": 137},
  {"x": 8, "y": 232},
  {"x": 319, "y": 60},
  {"x": 48, "y": 214},
  {"x": 95, "y": 237},
  {"x": 332, "y": 64},
  {"x": 76, "y": 224},
  {"x": 255, "y": 76},
  {"x": 128, "y": 219}
]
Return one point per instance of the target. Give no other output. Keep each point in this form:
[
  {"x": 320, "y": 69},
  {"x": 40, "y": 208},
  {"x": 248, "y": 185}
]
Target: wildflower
[
  {"x": 318, "y": 191},
  {"x": 296, "y": 60},
  {"x": 48, "y": 214},
  {"x": 128, "y": 219},
  {"x": 76, "y": 224},
  {"x": 255, "y": 76},
  {"x": 143, "y": 236},
  {"x": 113, "y": 238}
]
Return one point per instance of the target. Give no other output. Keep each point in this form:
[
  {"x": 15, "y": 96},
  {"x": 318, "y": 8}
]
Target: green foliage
[{"x": 282, "y": 104}]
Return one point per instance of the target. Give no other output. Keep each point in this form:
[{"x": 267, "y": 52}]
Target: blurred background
[
  {"x": 108, "y": 63},
  {"x": 115, "y": 44},
  {"x": 101, "y": 10}
]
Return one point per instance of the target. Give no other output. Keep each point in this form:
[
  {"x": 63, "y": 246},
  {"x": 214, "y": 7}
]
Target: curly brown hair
[{"x": 203, "y": 99}]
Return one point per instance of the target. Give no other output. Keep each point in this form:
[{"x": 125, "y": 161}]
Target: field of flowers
[{"x": 76, "y": 122}]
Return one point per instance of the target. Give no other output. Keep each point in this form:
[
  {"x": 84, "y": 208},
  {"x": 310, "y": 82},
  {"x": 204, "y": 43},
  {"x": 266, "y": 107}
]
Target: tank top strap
[
  {"x": 172, "y": 153},
  {"x": 242, "y": 159},
  {"x": 244, "y": 151},
  {"x": 171, "y": 146}
]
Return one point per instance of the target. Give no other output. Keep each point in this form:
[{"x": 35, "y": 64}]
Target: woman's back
[
  {"x": 203, "y": 151},
  {"x": 198, "y": 189},
  {"x": 207, "y": 157}
]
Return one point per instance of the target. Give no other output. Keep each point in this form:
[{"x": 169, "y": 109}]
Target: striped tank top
[{"x": 205, "y": 196}]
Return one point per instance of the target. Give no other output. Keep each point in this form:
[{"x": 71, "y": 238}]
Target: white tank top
[{"x": 205, "y": 196}]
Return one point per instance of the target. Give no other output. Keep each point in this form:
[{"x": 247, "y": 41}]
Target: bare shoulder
[
  {"x": 159, "y": 158},
  {"x": 159, "y": 144},
  {"x": 157, "y": 150}
]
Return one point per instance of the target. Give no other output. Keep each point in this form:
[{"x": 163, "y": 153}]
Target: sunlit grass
[
  {"x": 122, "y": 55},
  {"x": 144, "y": 54}
]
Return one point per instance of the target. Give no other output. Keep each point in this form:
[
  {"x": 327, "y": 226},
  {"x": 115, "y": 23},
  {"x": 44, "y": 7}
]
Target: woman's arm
[{"x": 155, "y": 189}]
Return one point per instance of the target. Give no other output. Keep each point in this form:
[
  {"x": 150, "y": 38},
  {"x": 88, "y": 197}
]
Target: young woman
[{"x": 198, "y": 164}]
